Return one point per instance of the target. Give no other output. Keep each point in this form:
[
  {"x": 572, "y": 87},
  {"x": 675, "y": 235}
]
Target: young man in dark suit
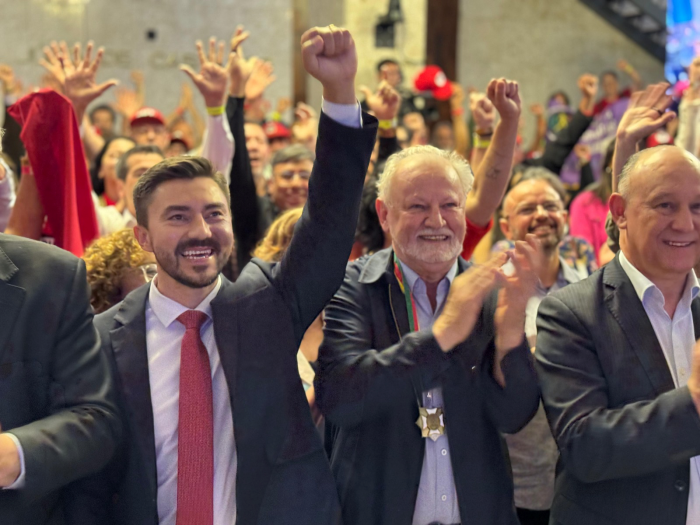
[{"x": 218, "y": 430}]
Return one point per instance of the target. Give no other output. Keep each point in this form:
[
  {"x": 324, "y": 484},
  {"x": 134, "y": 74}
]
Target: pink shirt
[{"x": 587, "y": 216}]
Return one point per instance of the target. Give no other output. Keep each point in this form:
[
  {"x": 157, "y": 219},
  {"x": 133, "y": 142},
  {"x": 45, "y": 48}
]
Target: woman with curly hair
[
  {"x": 116, "y": 265},
  {"x": 272, "y": 249}
]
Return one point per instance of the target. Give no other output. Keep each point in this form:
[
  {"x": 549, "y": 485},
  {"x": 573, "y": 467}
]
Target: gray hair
[
  {"x": 464, "y": 171},
  {"x": 539, "y": 173},
  {"x": 293, "y": 153},
  {"x": 623, "y": 180}
]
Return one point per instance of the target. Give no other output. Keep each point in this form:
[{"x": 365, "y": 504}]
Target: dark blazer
[
  {"x": 369, "y": 366},
  {"x": 56, "y": 393},
  {"x": 624, "y": 431},
  {"x": 283, "y": 475}
]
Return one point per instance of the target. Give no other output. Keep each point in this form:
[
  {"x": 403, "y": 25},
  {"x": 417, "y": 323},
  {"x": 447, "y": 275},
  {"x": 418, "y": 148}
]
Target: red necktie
[{"x": 195, "y": 445}]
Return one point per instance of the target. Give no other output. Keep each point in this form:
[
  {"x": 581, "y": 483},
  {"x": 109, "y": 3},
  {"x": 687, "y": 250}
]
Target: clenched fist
[{"x": 329, "y": 56}]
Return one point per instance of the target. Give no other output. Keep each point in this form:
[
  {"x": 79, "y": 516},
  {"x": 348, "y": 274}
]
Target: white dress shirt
[
  {"x": 163, "y": 340},
  {"x": 677, "y": 339},
  {"x": 217, "y": 144}
]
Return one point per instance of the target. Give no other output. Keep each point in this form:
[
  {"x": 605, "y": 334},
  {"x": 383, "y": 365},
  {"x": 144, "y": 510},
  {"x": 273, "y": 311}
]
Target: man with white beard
[{"x": 423, "y": 366}]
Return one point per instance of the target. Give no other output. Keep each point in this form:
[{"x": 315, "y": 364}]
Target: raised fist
[
  {"x": 329, "y": 56},
  {"x": 505, "y": 97}
]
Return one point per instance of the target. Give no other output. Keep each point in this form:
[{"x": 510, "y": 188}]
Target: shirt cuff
[
  {"x": 349, "y": 115},
  {"x": 19, "y": 482}
]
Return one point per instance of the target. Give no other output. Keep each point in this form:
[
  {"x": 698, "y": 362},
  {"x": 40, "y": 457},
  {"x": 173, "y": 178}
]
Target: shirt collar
[
  {"x": 412, "y": 277},
  {"x": 168, "y": 310},
  {"x": 644, "y": 287},
  {"x": 567, "y": 274}
]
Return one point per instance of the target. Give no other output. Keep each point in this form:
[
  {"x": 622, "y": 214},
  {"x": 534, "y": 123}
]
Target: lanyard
[{"x": 408, "y": 295}]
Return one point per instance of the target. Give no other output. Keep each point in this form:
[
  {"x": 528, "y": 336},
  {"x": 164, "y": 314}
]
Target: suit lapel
[
  {"x": 11, "y": 299},
  {"x": 226, "y": 335},
  {"x": 131, "y": 357},
  {"x": 695, "y": 309},
  {"x": 625, "y": 306}
]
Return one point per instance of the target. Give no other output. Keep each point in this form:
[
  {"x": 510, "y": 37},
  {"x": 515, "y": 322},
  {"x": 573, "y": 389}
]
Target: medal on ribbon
[{"x": 430, "y": 420}]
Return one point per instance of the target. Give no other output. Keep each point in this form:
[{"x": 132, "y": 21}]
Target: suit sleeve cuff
[
  {"x": 19, "y": 482},
  {"x": 349, "y": 115}
]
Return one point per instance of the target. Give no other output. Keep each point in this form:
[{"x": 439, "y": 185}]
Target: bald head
[{"x": 644, "y": 167}]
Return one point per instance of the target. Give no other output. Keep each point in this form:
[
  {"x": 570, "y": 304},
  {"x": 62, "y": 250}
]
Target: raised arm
[
  {"x": 385, "y": 104},
  {"x": 314, "y": 265},
  {"x": 212, "y": 82},
  {"x": 493, "y": 173},
  {"x": 645, "y": 114}
]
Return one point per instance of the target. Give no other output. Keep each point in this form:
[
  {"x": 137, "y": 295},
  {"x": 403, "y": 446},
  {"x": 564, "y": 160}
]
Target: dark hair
[
  {"x": 611, "y": 73},
  {"x": 603, "y": 188},
  {"x": 386, "y": 61},
  {"x": 98, "y": 184},
  {"x": 293, "y": 153},
  {"x": 174, "y": 168},
  {"x": 123, "y": 164},
  {"x": 561, "y": 94},
  {"x": 369, "y": 230},
  {"x": 102, "y": 107}
]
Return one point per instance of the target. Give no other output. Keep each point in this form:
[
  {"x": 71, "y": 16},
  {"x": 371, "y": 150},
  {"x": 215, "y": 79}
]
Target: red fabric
[
  {"x": 195, "y": 441},
  {"x": 52, "y": 139},
  {"x": 603, "y": 104},
  {"x": 474, "y": 234}
]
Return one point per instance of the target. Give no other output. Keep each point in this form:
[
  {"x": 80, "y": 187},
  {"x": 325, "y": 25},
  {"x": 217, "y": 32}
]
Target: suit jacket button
[{"x": 679, "y": 485}]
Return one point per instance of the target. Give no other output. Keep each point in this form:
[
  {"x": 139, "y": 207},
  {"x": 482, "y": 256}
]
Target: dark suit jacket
[
  {"x": 283, "y": 475},
  {"x": 56, "y": 393},
  {"x": 369, "y": 365},
  {"x": 624, "y": 431}
]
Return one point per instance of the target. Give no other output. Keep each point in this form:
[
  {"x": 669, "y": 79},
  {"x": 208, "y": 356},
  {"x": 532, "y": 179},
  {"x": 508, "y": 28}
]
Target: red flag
[{"x": 51, "y": 136}]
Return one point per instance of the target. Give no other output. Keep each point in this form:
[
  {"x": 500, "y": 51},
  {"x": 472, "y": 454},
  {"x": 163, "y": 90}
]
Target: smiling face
[
  {"x": 258, "y": 147},
  {"x": 659, "y": 217},
  {"x": 424, "y": 213},
  {"x": 533, "y": 206},
  {"x": 189, "y": 231}
]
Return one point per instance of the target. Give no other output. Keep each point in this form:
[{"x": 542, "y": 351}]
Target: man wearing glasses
[{"x": 536, "y": 205}]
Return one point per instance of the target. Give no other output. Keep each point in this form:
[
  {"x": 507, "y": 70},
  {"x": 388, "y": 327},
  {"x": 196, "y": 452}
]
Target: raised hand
[
  {"x": 504, "y": 95},
  {"x": 329, "y": 55},
  {"x": 537, "y": 110},
  {"x": 384, "y": 103},
  {"x": 483, "y": 112},
  {"x": 212, "y": 79},
  {"x": 260, "y": 78},
  {"x": 127, "y": 102},
  {"x": 588, "y": 84},
  {"x": 7, "y": 79},
  {"x": 77, "y": 76},
  {"x": 457, "y": 97},
  {"x": 645, "y": 114},
  {"x": 241, "y": 69},
  {"x": 464, "y": 302}
]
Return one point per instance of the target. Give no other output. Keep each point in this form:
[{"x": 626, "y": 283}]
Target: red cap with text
[{"x": 147, "y": 115}]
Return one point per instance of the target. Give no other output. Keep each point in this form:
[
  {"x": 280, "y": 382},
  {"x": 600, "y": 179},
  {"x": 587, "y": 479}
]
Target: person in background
[
  {"x": 535, "y": 206},
  {"x": 130, "y": 167},
  {"x": 688, "y": 136},
  {"x": 103, "y": 173},
  {"x": 116, "y": 265},
  {"x": 278, "y": 135},
  {"x": 178, "y": 145},
  {"x": 589, "y": 210},
  {"x": 610, "y": 83},
  {"x": 147, "y": 127},
  {"x": 104, "y": 119}
]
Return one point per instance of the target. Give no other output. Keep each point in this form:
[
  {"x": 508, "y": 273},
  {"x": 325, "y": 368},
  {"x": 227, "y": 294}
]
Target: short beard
[
  {"x": 438, "y": 254},
  {"x": 170, "y": 263}
]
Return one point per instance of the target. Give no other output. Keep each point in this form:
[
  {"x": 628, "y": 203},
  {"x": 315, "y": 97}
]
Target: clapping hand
[{"x": 329, "y": 55}]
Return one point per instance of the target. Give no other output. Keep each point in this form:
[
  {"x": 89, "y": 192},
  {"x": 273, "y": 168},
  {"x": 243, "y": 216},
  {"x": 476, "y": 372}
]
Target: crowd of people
[{"x": 365, "y": 315}]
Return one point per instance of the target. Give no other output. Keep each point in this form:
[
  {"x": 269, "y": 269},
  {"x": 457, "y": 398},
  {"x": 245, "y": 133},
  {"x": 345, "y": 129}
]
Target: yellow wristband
[
  {"x": 387, "y": 124},
  {"x": 481, "y": 142},
  {"x": 214, "y": 112}
]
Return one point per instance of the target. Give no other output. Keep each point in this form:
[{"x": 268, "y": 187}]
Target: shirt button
[
  {"x": 679, "y": 485},
  {"x": 444, "y": 452},
  {"x": 444, "y": 498}
]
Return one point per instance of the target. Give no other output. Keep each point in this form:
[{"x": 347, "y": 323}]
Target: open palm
[{"x": 212, "y": 79}]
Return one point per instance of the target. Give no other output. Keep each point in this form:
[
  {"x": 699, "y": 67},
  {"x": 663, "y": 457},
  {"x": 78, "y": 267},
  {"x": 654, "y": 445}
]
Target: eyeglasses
[
  {"x": 530, "y": 209},
  {"x": 289, "y": 175},
  {"x": 149, "y": 271}
]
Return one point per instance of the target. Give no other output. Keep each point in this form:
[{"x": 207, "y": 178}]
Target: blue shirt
[{"x": 437, "y": 495}]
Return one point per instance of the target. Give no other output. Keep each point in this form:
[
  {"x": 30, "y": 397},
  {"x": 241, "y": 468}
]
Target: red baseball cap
[
  {"x": 276, "y": 130},
  {"x": 179, "y": 136},
  {"x": 433, "y": 79},
  {"x": 147, "y": 115}
]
